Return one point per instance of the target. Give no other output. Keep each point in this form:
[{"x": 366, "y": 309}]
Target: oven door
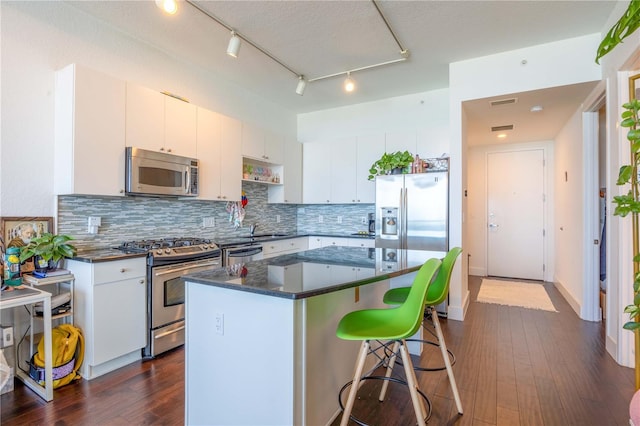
[{"x": 167, "y": 290}]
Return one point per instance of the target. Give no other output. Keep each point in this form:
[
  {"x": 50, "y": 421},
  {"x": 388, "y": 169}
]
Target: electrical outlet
[
  {"x": 320, "y": 219},
  {"x": 208, "y": 222},
  {"x": 219, "y": 323},
  {"x": 339, "y": 219},
  {"x": 7, "y": 337},
  {"x": 277, "y": 218},
  {"x": 363, "y": 220}
]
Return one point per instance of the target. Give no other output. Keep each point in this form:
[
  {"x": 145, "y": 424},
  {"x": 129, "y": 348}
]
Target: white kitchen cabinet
[
  {"x": 401, "y": 141},
  {"x": 262, "y": 144},
  {"x": 280, "y": 247},
  {"x": 110, "y": 308},
  {"x": 316, "y": 181},
  {"x": 180, "y": 127},
  {"x": 343, "y": 171},
  {"x": 315, "y": 242},
  {"x": 361, "y": 242},
  {"x": 89, "y": 133},
  {"x": 291, "y": 275},
  {"x": 318, "y": 242},
  {"x": 160, "y": 123},
  {"x": 369, "y": 149},
  {"x": 220, "y": 156},
  {"x": 290, "y": 192},
  {"x": 336, "y": 172}
]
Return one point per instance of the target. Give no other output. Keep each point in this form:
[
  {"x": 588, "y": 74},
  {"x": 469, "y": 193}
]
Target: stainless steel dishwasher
[{"x": 241, "y": 253}]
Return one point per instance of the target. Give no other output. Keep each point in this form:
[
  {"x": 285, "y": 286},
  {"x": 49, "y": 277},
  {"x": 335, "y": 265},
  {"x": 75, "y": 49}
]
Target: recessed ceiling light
[
  {"x": 502, "y": 135},
  {"x": 536, "y": 108}
]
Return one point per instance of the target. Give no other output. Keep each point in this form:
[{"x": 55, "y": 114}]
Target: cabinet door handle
[
  {"x": 141, "y": 281},
  {"x": 122, "y": 270}
]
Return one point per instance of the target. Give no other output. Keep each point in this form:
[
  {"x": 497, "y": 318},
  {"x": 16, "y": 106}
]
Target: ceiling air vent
[
  {"x": 501, "y": 128},
  {"x": 503, "y": 101}
]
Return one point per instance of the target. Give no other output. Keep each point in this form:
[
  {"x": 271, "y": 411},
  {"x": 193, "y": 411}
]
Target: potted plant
[
  {"x": 47, "y": 250},
  {"x": 629, "y": 203},
  {"x": 393, "y": 163}
]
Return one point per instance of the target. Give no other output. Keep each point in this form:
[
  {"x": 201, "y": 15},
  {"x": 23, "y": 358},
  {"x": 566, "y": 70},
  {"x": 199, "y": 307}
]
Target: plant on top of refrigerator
[{"x": 388, "y": 162}]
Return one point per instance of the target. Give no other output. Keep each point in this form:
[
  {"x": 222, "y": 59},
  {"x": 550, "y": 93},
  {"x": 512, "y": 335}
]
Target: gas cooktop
[{"x": 170, "y": 247}]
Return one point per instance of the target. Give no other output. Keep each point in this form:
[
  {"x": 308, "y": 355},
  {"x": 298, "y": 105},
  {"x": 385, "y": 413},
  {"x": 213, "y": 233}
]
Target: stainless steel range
[{"x": 167, "y": 261}]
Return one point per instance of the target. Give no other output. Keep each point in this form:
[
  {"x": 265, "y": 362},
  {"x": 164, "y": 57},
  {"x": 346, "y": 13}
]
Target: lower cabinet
[
  {"x": 280, "y": 247},
  {"x": 111, "y": 311},
  {"x": 317, "y": 242}
]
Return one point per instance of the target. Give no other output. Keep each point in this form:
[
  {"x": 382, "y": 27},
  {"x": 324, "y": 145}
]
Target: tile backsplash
[{"x": 135, "y": 218}]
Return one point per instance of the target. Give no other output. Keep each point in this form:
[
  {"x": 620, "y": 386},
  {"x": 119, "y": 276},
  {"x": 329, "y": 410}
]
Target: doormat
[{"x": 511, "y": 293}]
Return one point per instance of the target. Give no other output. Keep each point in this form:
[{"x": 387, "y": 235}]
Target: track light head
[
  {"x": 302, "y": 84},
  {"x": 349, "y": 84},
  {"x": 168, "y": 6},
  {"x": 234, "y": 45}
]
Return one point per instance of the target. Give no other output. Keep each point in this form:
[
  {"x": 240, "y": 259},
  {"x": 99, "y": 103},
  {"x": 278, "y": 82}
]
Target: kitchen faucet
[{"x": 252, "y": 229}]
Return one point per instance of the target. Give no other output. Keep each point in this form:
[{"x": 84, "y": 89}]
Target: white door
[{"x": 515, "y": 219}]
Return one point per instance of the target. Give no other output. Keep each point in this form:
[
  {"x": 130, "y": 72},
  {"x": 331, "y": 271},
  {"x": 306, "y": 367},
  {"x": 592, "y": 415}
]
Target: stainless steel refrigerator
[{"x": 412, "y": 212}]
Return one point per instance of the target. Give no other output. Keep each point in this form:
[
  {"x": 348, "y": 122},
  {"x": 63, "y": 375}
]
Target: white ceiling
[{"x": 317, "y": 38}]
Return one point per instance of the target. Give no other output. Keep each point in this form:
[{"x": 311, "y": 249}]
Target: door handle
[{"x": 493, "y": 225}]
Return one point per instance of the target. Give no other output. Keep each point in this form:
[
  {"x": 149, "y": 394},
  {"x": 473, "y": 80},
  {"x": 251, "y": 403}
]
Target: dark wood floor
[{"x": 514, "y": 366}]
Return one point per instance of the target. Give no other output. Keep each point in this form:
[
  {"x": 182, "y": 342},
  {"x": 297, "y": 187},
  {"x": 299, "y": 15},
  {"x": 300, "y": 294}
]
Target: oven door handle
[
  {"x": 185, "y": 268},
  {"x": 166, "y": 333}
]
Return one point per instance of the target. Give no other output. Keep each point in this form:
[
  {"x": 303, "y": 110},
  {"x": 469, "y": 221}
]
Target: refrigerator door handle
[{"x": 405, "y": 219}]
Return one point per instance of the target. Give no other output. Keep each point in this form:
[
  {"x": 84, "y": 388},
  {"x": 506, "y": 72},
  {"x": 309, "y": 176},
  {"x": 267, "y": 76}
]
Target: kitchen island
[{"x": 261, "y": 345}]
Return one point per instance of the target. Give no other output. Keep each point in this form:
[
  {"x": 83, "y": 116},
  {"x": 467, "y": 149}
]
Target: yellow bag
[{"x": 67, "y": 346}]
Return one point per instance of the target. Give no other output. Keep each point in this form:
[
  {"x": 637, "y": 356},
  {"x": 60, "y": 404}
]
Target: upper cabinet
[
  {"x": 89, "y": 133},
  {"x": 337, "y": 172},
  {"x": 158, "y": 122},
  {"x": 291, "y": 190},
  {"x": 220, "y": 156},
  {"x": 261, "y": 144}
]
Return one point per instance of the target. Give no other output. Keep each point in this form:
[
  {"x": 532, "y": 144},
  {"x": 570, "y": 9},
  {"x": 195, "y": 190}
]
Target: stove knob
[
  {"x": 168, "y": 251},
  {"x": 158, "y": 251},
  {"x": 205, "y": 247}
]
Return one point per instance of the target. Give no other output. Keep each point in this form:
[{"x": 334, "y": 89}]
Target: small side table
[{"x": 45, "y": 392}]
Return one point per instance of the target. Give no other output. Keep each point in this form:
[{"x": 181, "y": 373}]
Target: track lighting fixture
[
  {"x": 236, "y": 38},
  {"x": 234, "y": 45},
  {"x": 169, "y": 6},
  {"x": 349, "y": 84},
  {"x": 302, "y": 84}
]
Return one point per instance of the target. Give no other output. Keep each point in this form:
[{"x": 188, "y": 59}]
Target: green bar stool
[
  {"x": 393, "y": 324},
  {"x": 436, "y": 294}
]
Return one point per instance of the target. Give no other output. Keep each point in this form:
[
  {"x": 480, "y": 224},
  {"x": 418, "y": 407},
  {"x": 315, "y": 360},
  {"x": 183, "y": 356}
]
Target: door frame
[
  {"x": 590, "y": 307},
  {"x": 548, "y": 223},
  {"x": 539, "y": 151}
]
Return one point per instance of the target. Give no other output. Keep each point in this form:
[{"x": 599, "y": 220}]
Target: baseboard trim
[
  {"x": 478, "y": 271},
  {"x": 569, "y": 298},
  {"x": 458, "y": 312}
]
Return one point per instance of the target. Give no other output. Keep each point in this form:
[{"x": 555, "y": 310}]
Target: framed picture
[
  {"x": 18, "y": 232},
  {"x": 634, "y": 87}
]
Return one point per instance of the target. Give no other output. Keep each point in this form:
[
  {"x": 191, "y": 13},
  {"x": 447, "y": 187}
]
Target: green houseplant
[
  {"x": 388, "y": 162},
  {"x": 629, "y": 203},
  {"x": 47, "y": 250}
]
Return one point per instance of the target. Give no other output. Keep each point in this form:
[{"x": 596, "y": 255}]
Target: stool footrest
[{"x": 389, "y": 379}]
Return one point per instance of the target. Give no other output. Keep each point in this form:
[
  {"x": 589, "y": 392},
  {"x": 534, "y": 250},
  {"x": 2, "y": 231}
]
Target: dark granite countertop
[
  {"x": 105, "y": 255},
  {"x": 261, "y": 238},
  {"x": 109, "y": 254},
  {"x": 347, "y": 266}
]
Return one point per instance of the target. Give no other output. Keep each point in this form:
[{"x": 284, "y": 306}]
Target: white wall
[
  {"x": 476, "y": 223},
  {"x": 548, "y": 65},
  {"x": 626, "y": 56},
  {"x": 568, "y": 211},
  {"x": 38, "y": 38}
]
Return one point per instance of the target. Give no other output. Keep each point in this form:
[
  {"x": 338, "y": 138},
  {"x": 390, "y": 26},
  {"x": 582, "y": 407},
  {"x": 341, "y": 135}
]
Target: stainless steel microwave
[{"x": 158, "y": 173}]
